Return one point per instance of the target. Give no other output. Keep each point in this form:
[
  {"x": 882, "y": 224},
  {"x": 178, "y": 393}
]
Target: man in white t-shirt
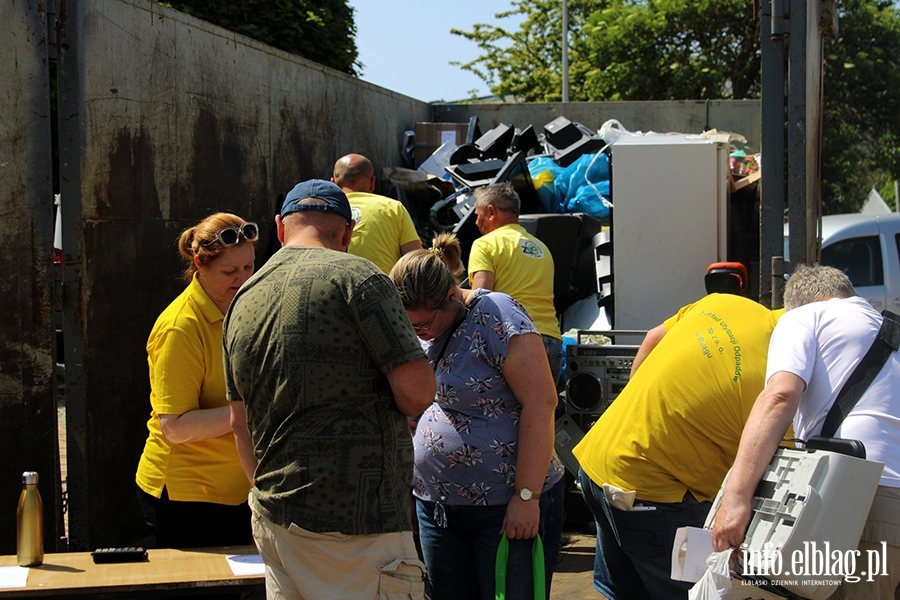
[{"x": 813, "y": 351}]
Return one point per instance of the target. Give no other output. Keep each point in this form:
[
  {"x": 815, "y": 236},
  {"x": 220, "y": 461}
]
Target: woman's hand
[
  {"x": 527, "y": 372},
  {"x": 196, "y": 425},
  {"x": 522, "y": 519}
]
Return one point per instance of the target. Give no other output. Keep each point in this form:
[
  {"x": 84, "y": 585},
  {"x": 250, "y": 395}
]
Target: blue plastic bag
[
  {"x": 587, "y": 200},
  {"x": 545, "y": 175},
  {"x": 565, "y": 190},
  {"x": 581, "y": 196}
]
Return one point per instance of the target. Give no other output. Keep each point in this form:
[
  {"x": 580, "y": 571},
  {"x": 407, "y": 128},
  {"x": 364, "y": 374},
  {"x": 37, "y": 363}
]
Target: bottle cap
[{"x": 29, "y": 477}]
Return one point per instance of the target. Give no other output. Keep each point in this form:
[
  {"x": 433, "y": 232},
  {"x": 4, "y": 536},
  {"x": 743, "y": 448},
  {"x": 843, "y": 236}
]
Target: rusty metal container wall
[
  {"x": 27, "y": 404},
  {"x": 683, "y": 116},
  {"x": 164, "y": 119}
]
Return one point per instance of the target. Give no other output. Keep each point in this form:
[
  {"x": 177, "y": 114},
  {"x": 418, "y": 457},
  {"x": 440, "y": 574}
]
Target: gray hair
[
  {"x": 502, "y": 196},
  {"x": 813, "y": 284}
]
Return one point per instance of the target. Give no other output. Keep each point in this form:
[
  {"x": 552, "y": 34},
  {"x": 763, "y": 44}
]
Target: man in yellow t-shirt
[
  {"x": 669, "y": 438},
  {"x": 507, "y": 259},
  {"x": 384, "y": 230}
]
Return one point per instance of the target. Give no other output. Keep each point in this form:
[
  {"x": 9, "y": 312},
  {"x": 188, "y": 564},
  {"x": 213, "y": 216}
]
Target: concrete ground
[{"x": 574, "y": 576}]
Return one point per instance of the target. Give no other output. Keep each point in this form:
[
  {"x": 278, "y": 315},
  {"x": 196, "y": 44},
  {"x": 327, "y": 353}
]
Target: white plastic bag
[
  {"x": 611, "y": 131},
  {"x": 717, "y": 584}
]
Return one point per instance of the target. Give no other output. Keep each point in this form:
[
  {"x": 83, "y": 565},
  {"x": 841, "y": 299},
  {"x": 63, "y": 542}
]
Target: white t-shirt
[{"x": 822, "y": 343}]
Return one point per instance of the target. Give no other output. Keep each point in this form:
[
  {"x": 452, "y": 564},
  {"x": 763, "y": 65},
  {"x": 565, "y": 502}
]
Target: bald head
[{"x": 354, "y": 173}]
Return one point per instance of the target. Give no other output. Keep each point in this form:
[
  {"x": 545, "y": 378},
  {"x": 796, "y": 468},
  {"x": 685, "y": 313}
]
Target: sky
[{"x": 406, "y": 45}]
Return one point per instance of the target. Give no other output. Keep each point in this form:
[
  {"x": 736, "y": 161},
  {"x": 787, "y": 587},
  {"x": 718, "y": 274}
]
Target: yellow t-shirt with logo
[
  {"x": 187, "y": 372},
  {"x": 382, "y": 226},
  {"x": 677, "y": 424},
  {"x": 522, "y": 268}
]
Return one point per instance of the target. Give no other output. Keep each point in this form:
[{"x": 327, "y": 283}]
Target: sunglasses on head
[{"x": 231, "y": 235}]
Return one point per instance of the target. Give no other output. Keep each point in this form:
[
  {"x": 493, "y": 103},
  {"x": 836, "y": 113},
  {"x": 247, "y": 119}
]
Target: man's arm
[
  {"x": 481, "y": 267},
  {"x": 242, "y": 438},
  {"x": 413, "y": 386},
  {"x": 410, "y": 246},
  {"x": 651, "y": 340},
  {"x": 769, "y": 420},
  {"x": 483, "y": 279},
  {"x": 407, "y": 232}
]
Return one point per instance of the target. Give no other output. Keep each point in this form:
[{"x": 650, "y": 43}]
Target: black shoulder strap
[{"x": 886, "y": 342}]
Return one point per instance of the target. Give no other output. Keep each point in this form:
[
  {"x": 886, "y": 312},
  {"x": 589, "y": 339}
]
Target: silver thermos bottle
[{"x": 30, "y": 523}]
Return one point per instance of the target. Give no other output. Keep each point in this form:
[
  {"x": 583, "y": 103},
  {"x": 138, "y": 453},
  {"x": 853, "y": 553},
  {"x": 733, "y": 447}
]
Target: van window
[
  {"x": 859, "y": 258},
  {"x": 897, "y": 239}
]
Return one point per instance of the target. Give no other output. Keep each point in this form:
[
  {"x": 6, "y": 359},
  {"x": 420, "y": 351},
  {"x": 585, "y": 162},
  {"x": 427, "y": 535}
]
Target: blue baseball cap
[{"x": 334, "y": 199}]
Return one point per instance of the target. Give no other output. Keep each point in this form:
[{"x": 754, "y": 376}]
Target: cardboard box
[{"x": 430, "y": 137}]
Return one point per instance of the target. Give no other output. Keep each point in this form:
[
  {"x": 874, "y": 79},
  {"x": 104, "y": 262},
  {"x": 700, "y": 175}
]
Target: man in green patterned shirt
[{"x": 322, "y": 369}]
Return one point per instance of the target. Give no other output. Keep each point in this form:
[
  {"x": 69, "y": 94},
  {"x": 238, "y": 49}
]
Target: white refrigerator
[{"x": 669, "y": 222}]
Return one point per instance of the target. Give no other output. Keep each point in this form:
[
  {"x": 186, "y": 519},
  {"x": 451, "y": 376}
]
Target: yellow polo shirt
[
  {"x": 677, "y": 424},
  {"x": 522, "y": 268},
  {"x": 187, "y": 373},
  {"x": 382, "y": 226}
]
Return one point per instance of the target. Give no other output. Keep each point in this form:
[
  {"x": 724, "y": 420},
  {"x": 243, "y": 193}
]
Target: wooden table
[{"x": 203, "y": 570}]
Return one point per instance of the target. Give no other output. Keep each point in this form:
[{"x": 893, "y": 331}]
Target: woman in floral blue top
[{"x": 484, "y": 449}]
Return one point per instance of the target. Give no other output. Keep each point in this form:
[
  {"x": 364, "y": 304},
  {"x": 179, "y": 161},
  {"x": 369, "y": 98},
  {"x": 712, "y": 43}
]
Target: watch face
[{"x": 525, "y": 494}]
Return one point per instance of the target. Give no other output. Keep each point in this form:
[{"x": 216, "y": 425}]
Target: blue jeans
[
  {"x": 634, "y": 548},
  {"x": 553, "y": 347},
  {"x": 461, "y": 556}
]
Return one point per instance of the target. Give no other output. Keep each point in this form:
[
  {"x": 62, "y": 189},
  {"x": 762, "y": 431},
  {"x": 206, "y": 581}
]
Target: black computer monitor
[
  {"x": 569, "y": 140},
  {"x": 516, "y": 173},
  {"x": 495, "y": 143}
]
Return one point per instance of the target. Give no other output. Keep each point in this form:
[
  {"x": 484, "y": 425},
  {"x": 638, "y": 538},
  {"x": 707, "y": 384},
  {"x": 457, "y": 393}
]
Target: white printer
[{"x": 809, "y": 511}]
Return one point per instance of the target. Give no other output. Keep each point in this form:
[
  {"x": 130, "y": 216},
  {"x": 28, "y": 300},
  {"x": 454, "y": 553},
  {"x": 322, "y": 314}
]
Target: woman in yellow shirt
[{"x": 192, "y": 488}]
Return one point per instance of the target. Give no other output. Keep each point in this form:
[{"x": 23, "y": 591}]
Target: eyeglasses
[
  {"x": 231, "y": 235},
  {"x": 424, "y": 327}
]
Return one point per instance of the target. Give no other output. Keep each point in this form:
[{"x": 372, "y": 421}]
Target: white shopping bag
[{"x": 717, "y": 584}]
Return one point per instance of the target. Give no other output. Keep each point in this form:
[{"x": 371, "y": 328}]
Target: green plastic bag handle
[{"x": 537, "y": 568}]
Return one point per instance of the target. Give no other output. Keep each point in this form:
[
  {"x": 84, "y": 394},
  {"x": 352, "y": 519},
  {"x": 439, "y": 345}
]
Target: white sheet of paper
[
  {"x": 448, "y": 136},
  {"x": 246, "y": 564},
  {"x": 692, "y": 546},
  {"x": 13, "y": 577}
]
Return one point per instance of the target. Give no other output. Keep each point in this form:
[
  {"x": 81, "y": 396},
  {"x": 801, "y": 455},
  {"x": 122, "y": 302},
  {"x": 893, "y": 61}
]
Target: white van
[{"x": 867, "y": 249}]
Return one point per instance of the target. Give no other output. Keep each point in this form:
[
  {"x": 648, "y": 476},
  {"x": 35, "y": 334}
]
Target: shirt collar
[{"x": 207, "y": 307}]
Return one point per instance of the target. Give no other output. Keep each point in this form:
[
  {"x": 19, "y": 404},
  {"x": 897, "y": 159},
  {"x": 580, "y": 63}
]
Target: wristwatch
[{"x": 526, "y": 494}]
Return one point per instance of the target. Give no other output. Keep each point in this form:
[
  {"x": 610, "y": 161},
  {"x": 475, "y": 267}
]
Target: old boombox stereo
[{"x": 595, "y": 375}]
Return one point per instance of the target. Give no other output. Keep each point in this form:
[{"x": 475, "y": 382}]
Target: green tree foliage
[
  {"x": 673, "y": 50},
  {"x": 622, "y": 50},
  {"x": 861, "y": 114},
  {"x": 524, "y": 64},
  {"x": 697, "y": 49},
  {"x": 320, "y": 30}
]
